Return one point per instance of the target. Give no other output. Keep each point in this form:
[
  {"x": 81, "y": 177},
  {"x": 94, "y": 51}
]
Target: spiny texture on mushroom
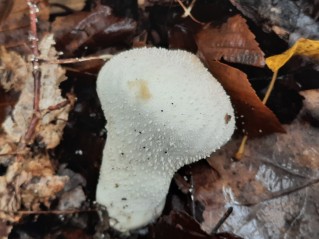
[{"x": 163, "y": 110}]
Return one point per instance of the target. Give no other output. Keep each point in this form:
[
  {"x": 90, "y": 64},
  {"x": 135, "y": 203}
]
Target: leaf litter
[
  {"x": 29, "y": 181},
  {"x": 272, "y": 191}
]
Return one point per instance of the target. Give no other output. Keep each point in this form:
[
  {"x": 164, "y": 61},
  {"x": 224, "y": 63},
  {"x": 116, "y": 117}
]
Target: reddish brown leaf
[
  {"x": 91, "y": 31},
  {"x": 253, "y": 117},
  {"x": 233, "y": 41}
]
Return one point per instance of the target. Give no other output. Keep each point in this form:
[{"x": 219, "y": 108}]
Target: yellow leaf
[{"x": 303, "y": 47}]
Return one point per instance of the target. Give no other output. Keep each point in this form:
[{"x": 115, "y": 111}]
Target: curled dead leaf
[
  {"x": 97, "y": 28},
  {"x": 232, "y": 41}
]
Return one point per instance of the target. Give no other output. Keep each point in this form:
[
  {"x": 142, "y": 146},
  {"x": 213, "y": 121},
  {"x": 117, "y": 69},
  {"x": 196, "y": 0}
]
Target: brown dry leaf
[
  {"x": 273, "y": 191},
  {"x": 233, "y": 42},
  {"x": 253, "y": 117},
  {"x": 60, "y": 6},
  {"x": 52, "y": 123},
  {"x": 28, "y": 183},
  {"x": 99, "y": 28},
  {"x": 14, "y": 30},
  {"x": 13, "y": 70}
]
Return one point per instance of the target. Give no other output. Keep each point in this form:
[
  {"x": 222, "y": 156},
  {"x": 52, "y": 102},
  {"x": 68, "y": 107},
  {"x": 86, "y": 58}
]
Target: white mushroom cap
[{"x": 163, "y": 110}]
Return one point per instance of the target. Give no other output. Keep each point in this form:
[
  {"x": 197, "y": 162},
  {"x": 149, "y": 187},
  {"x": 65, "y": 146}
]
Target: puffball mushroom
[{"x": 163, "y": 110}]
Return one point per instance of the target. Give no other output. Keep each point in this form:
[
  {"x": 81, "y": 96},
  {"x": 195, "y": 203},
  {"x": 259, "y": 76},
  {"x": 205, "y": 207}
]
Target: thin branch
[
  {"x": 76, "y": 60},
  {"x": 187, "y": 11},
  {"x": 222, "y": 220},
  {"x": 36, "y": 72},
  {"x": 58, "y": 212},
  {"x": 285, "y": 192}
]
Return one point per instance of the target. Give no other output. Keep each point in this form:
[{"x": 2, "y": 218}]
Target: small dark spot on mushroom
[
  {"x": 144, "y": 147},
  {"x": 162, "y": 110},
  {"x": 122, "y": 153},
  {"x": 140, "y": 132},
  {"x": 123, "y": 199},
  {"x": 165, "y": 152},
  {"x": 116, "y": 185},
  {"x": 148, "y": 158},
  {"x": 172, "y": 103},
  {"x": 227, "y": 118}
]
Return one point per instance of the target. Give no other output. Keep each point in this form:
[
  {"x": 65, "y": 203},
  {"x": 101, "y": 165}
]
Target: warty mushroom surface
[{"x": 163, "y": 110}]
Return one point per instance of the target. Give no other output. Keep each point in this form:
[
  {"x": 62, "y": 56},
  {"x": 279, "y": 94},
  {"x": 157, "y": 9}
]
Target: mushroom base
[{"x": 133, "y": 198}]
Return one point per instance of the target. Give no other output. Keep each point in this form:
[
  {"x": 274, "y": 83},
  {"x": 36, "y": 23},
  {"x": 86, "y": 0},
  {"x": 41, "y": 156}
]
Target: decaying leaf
[
  {"x": 13, "y": 70},
  {"x": 29, "y": 180},
  {"x": 28, "y": 183},
  {"x": 179, "y": 225},
  {"x": 14, "y": 29},
  {"x": 92, "y": 30},
  {"x": 304, "y": 47},
  {"x": 52, "y": 121},
  {"x": 273, "y": 191},
  {"x": 253, "y": 117},
  {"x": 233, "y": 42},
  {"x": 61, "y": 6}
]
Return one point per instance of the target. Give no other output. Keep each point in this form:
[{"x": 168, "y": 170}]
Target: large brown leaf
[
  {"x": 233, "y": 42},
  {"x": 254, "y": 118}
]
